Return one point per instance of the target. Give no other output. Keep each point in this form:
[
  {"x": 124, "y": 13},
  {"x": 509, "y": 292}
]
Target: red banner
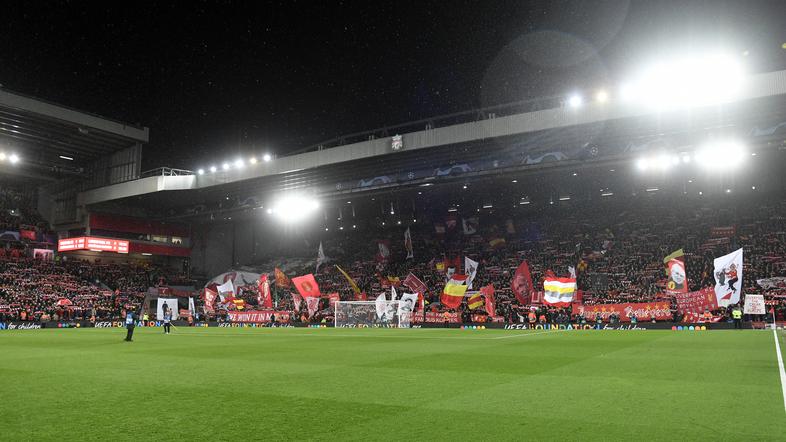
[
  {"x": 643, "y": 311},
  {"x": 415, "y": 284},
  {"x": 697, "y": 301},
  {"x": 27, "y": 234},
  {"x": 258, "y": 316}
]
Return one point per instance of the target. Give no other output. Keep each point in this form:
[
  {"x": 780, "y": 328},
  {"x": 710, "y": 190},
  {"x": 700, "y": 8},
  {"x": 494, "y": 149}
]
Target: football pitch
[{"x": 362, "y": 384}]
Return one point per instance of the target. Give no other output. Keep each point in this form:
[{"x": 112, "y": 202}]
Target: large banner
[
  {"x": 643, "y": 311},
  {"x": 696, "y": 302},
  {"x": 258, "y": 316},
  {"x": 728, "y": 278},
  {"x": 170, "y": 304},
  {"x": 264, "y": 299}
]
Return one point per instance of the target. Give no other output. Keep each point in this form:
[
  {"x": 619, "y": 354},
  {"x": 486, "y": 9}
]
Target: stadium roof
[{"x": 46, "y": 135}]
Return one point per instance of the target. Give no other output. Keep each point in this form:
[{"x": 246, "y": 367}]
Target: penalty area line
[{"x": 780, "y": 366}]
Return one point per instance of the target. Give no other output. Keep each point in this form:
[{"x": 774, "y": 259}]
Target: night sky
[{"x": 214, "y": 80}]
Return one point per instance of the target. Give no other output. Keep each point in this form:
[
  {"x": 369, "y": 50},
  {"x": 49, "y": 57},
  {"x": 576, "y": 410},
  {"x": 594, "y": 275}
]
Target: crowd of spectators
[{"x": 617, "y": 248}]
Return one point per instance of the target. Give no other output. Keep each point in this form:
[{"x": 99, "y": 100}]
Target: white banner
[
  {"x": 171, "y": 304},
  {"x": 321, "y": 258},
  {"x": 728, "y": 278},
  {"x": 408, "y": 244},
  {"x": 754, "y": 305},
  {"x": 470, "y": 269},
  {"x": 191, "y": 307}
]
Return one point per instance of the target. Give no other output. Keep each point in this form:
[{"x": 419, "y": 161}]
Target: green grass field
[{"x": 240, "y": 384}]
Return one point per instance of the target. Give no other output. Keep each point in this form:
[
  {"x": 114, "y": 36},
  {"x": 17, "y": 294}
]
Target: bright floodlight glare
[
  {"x": 721, "y": 156},
  {"x": 253, "y": 160},
  {"x": 266, "y": 157},
  {"x": 225, "y": 166},
  {"x": 2, "y": 156},
  {"x": 13, "y": 158},
  {"x": 239, "y": 163},
  {"x": 575, "y": 100},
  {"x": 643, "y": 164},
  {"x": 294, "y": 208},
  {"x": 602, "y": 96},
  {"x": 213, "y": 169},
  {"x": 689, "y": 81},
  {"x": 201, "y": 171}
]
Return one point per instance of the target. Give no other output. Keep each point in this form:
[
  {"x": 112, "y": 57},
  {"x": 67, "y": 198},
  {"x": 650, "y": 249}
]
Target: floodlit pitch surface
[{"x": 240, "y": 384}]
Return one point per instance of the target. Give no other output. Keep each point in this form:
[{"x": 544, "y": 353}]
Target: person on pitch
[
  {"x": 167, "y": 320},
  {"x": 130, "y": 324}
]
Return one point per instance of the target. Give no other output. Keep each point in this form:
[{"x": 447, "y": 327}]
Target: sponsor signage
[
  {"x": 572, "y": 327},
  {"x": 20, "y": 326},
  {"x": 92, "y": 243}
]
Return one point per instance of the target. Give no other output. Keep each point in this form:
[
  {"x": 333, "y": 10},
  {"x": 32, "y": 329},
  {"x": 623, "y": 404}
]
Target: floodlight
[
  {"x": 267, "y": 157},
  {"x": 602, "y": 96},
  {"x": 721, "y": 155},
  {"x": 643, "y": 164},
  {"x": 201, "y": 171},
  {"x": 2, "y": 156},
  {"x": 239, "y": 163},
  {"x": 575, "y": 100},
  {"x": 225, "y": 166},
  {"x": 213, "y": 169},
  {"x": 253, "y": 160},
  {"x": 294, "y": 208},
  {"x": 13, "y": 158}
]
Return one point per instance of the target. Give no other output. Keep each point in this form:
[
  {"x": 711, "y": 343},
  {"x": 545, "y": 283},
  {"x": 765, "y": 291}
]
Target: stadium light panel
[
  {"x": 253, "y": 160},
  {"x": 266, "y": 158},
  {"x": 2, "y": 156},
  {"x": 602, "y": 96},
  {"x": 201, "y": 171},
  {"x": 13, "y": 158},
  {"x": 213, "y": 169},
  {"x": 66, "y": 157},
  {"x": 564, "y": 198},
  {"x": 225, "y": 166},
  {"x": 239, "y": 163},
  {"x": 575, "y": 101},
  {"x": 607, "y": 194}
]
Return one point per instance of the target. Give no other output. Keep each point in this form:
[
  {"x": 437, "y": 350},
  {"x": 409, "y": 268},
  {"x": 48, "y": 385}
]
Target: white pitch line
[
  {"x": 528, "y": 334},
  {"x": 346, "y": 335},
  {"x": 780, "y": 367}
]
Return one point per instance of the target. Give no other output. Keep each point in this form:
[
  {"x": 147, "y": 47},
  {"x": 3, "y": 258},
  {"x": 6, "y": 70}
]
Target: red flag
[
  {"x": 488, "y": 292},
  {"x": 415, "y": 284},
  {"x": 263, "y": 296},
  {"x": 522, "y": 284},
  {"x": 307, "y": 286},
  {"x": 453, "y": 293},
  {"x": 282, "y": 281},
  {"x": 210, "y": 299}
]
